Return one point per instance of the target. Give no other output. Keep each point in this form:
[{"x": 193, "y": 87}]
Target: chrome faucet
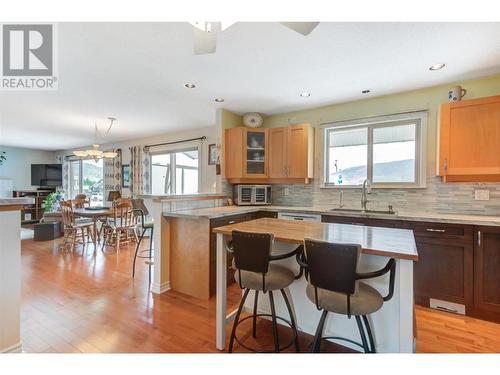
[
  {"x": 367, "y": 189},
  {"x": 341, "y": 199}
]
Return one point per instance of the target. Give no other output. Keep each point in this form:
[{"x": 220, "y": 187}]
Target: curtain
[
  {"x": 139, "y": 171},
  {"x": 65, "y": 177},
  {"x": 113, "y": 173}
]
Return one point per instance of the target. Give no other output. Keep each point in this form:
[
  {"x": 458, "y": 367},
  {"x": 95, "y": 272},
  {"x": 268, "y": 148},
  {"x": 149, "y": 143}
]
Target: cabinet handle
[
  {"x": 445, "y": 164},
  {"x": 360, "y": 224},
  {"x": 478, "y": 238},
  {"x": 232, "y": 222},
  {"x": 436, "y": 230}
]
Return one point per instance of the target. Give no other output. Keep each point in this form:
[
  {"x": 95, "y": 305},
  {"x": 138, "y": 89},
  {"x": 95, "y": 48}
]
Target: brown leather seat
[
  {"x": 276, "y": 278},
  {"x": 365, "y": 301}
]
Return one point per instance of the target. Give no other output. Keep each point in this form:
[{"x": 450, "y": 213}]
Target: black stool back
[
  {"x": 252, "y": 251},
  {"x": 332, "y": 266}
]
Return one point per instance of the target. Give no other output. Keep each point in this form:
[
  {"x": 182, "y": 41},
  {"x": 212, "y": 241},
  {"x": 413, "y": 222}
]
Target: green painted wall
[{"x": 424, "y": 99}]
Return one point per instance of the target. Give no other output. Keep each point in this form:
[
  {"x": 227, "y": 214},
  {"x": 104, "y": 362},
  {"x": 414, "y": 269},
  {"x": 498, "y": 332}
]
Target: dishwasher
[{"x": 298, "y": 216}]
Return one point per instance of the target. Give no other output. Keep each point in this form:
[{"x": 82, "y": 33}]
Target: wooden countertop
[{"x": 388, "y": 242}]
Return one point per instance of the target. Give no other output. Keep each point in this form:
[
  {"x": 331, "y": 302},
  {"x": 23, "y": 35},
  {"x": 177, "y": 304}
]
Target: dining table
[{"x": 94, "y": 215}]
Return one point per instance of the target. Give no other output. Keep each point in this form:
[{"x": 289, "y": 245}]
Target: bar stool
[
  {"x": 141, "y": 213},
  {"x": 334, "y": 286},
  {"x": 252, "y": 257}
]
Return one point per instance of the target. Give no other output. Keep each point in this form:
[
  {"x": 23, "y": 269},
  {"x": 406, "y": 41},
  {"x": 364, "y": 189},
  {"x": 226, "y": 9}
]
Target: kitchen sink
[{"x": 361, "y": 211}]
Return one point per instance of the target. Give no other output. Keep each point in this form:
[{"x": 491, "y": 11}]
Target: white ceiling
[{"x": 137, "y": 71}]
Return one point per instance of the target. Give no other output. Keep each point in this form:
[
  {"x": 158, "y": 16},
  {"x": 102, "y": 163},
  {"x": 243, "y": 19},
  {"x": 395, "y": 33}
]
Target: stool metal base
[
  {"x": 274, "y": 318},
  {"x": 292, "y": 341},
  {"x": 367, "y": 344}
]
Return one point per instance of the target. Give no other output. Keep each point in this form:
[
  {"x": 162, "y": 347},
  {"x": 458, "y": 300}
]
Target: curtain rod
[{"x": 175, "y": 142}]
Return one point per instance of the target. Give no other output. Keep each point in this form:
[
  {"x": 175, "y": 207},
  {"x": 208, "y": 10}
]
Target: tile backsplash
[{"x": 436, "y": 197}]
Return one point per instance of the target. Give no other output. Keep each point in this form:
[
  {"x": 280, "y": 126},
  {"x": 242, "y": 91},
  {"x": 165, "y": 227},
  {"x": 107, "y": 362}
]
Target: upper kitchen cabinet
[
  {"x": 276, "y": 155},
  {"x": 245, "y": 153},
  {"x": 470, "y": 140}
]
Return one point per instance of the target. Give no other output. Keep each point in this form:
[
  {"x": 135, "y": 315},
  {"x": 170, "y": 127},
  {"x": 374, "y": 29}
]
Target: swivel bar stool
[
  {"x": 141, "y": 213},
  {"x": 334, "y": 286},
  {"x": 254, "y": 271}
]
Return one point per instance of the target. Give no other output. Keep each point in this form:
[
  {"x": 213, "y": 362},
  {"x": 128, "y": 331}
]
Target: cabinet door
[
  {"x": 444, "y": 271},
  {"x": 255, "y": 154},
  {"x": 299, "y": 151},
  {"x": 233, "y": 153},
  {"x": 470, "y": 138},
  {"x": 487, "y": 269},
  {"x": 277, "y": 152}
]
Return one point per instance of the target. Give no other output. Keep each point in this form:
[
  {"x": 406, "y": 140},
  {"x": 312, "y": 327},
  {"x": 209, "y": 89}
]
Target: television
[{"x": 46, "y": 175}]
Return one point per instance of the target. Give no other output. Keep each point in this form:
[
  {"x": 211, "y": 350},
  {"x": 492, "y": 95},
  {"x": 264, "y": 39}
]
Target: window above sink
[{"x": 389, "y": 150}]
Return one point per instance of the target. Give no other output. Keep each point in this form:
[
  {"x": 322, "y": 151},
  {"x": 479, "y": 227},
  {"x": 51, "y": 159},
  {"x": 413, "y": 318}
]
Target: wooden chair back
[
  {"x": 123, "y": 214},
  {"x": 68, "y": 216},
  {"x": 81, "y": 201}
]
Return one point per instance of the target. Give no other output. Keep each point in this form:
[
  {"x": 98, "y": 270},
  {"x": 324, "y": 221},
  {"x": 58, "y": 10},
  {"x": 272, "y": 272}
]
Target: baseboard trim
[
  {"x": 160, "y": 288},
  {"x": 17, "y": 348}
]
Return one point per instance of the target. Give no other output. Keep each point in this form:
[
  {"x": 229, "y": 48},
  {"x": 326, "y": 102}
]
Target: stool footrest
[{"x": 294, "y": 336}]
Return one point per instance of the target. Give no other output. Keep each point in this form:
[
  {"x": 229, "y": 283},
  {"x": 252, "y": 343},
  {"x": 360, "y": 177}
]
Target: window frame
[
  {"x": 81, "y": 178},
  {"x": 418, "y": 118},
  {"x": 173, "y": 168}
]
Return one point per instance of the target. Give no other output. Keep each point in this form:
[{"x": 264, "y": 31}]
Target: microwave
[{"x": 251, "y": 195}]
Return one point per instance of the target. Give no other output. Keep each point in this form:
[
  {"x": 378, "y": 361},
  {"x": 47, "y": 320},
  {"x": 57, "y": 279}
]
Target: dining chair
[
  {"x": 74, "y": 230},
  {"x": 121, "y": 226},
  {"x": 81, "y": 201}
]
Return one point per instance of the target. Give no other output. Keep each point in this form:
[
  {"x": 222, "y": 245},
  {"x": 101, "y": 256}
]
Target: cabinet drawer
[
  {"x": 439, "y": 230},
  {"x": 227, "y": 220}
]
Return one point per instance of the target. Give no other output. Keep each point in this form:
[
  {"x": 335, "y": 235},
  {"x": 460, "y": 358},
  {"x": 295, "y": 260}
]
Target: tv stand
[{"x": 33, "y": 213}]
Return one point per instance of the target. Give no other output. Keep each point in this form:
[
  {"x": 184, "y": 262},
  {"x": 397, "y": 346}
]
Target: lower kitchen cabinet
[
  {"x": 487, "y": 272},
  {"x": 444, "y": 271}
]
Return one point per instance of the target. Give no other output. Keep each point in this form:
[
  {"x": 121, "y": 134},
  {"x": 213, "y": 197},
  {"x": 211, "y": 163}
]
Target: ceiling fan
[{"x": 205, "y": 33}]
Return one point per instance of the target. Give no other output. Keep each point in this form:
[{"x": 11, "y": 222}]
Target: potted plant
[{"x": 52, "y": 202}]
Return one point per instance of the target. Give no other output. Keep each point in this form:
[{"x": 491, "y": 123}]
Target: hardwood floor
[{"x": 86, "y": 302}]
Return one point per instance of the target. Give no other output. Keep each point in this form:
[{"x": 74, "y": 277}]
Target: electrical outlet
[
  {"x": 286, "y": 191},
  {"x": 482, "y": 195}
]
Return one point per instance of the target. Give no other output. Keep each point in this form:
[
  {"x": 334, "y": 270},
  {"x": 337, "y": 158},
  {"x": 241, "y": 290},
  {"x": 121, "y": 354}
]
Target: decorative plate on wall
[{"x": 253, "y": 120}]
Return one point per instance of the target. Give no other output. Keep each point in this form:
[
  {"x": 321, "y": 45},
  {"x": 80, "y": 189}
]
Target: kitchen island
[{"x": 393, "y": 325}]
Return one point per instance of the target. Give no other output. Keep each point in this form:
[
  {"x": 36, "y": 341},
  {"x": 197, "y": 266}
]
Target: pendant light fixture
[{"x": 95, "y": 152}]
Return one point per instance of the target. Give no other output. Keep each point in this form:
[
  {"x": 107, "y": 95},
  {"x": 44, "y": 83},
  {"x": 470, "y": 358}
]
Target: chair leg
[
  {"x": 362, "y": 334},
  {"x": 118, "y": 239},
  {"x": 319, "y": 333},
  {"x": 255, "y": 305},
  {"x": 137, "y": 251},
  {"x": 292, "y": 320},
  {"x": 370, "y": 335},
  {"x": 236, "y": 319},
  {"x": 275, "y": 324}
]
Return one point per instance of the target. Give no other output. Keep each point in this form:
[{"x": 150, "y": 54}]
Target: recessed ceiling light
[
  {"x": 305, "y": 94},
  {"x": 219, "y": 100},
  {"x": 190, "y": 85},
  {"x": 365, "y": 91},
  {"x": 437, "y": 66}
]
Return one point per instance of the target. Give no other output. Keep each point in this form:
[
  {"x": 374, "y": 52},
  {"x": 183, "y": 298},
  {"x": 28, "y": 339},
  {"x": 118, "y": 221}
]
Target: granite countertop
[
  {"x": 16, "y": 201},
  {"x": 218, "y": 212}
]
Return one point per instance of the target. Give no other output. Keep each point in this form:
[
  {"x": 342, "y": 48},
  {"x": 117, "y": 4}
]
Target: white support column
[
  {"x": 161, "y": 281},
  {"x": 404, "y": 273},
  {"x": 10, "y": 281}
]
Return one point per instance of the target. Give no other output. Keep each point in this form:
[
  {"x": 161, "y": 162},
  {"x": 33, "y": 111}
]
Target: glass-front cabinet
[{"x": 255, "y": 153}]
